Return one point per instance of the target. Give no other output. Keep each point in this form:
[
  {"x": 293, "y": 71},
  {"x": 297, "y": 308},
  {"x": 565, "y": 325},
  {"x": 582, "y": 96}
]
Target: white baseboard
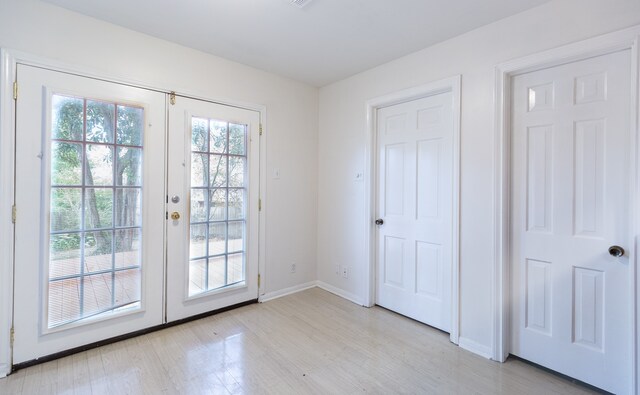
[
  {"x": 5, "y": 369},
  {"x": 340, "y": 292},
  {"x": 301, "y": 287},
  {"x": 286, "y": 291},
  {"x": 475, "y": 347}
]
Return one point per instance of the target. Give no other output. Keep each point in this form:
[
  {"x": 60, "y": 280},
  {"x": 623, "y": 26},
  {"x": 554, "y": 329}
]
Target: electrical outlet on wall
[
  {"x": 345, "y": 271},
  {"x": 293, "y": 268}
]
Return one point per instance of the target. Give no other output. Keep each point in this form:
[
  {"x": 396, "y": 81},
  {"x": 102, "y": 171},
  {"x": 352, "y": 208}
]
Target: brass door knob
[{"x": 175, "y": 215}]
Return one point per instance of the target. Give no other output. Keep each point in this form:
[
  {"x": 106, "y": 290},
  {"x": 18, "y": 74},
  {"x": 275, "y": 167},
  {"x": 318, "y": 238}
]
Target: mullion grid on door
[
  {"x": 116, "y": 229},
  {"x": 208, "y": 193}
]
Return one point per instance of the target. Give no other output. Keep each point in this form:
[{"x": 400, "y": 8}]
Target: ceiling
[{"x": 323, "y": 42}]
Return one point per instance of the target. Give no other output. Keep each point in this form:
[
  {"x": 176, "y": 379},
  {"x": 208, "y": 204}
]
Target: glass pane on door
[
  {"x": 95, "y": 225},
  {"x": 217, "y": 242}
]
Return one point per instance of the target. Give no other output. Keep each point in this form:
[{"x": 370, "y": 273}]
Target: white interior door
[
  {"x": 90, "y": 211},
  {"x": 415, "y": 194},
  {"x": 570, "y": 203},
  {"x": 212, "y": 207}
]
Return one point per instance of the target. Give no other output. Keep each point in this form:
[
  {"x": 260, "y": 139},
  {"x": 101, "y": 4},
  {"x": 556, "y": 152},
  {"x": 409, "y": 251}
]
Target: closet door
[{"x": 571, "y": 212}]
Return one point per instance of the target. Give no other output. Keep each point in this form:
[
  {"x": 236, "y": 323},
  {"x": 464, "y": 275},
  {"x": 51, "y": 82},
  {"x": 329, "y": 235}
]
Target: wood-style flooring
[{"x": 311, "y": 342}]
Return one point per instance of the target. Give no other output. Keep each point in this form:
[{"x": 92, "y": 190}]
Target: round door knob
[
  {"x": 175, "y": 215},
  {"x": 379, "y": 221},
  {"x": 616, "y": 251}
]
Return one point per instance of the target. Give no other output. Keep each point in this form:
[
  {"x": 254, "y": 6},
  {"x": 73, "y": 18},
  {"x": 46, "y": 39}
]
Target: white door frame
[
  {"x": 7, "y": 144},
  {"x": 452, "y": 85},
  {"x": 622, "y": 40},
  {"x": 9, "y": 60}
]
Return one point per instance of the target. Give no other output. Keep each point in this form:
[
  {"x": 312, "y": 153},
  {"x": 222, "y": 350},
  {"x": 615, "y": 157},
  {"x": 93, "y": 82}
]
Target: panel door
[
  {"x": 90, "y": 211},
  {"x": 570, "y": 203},
  {"x": 212, "y": 207},
  {"x": 415, "y": 191}
]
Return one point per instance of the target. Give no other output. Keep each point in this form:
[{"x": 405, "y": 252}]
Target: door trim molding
[
  {"x": 7, "y": 183},
  {"x": 453, "y": 85},
  {"x": 9, "y": 59},
  {"x": 626, "y": 39}
]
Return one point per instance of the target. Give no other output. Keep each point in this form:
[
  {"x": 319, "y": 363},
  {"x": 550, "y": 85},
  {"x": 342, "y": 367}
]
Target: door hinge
[
  {"x": 260, "y": 129},
  {"x": 15, "y": 90},
  {"x": 14, "y": 212},
  {"x": 166, "y": 215},
  {"x": 172, "y": 98},
  {"x": 12, "y": 336},
  {"x": 259, "y": 204},
  {"x": 258, "y": 280}
]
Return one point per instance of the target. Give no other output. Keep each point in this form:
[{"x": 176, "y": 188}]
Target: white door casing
[
  {"x": 570, "y": 202},
  {"x": 180, "y": 303},
  {"x": 33, "y": 336},
  {"x": 415, "y": 201}
]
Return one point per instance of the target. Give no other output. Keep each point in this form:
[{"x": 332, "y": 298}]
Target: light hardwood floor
[{"x": 310, "y": 342}]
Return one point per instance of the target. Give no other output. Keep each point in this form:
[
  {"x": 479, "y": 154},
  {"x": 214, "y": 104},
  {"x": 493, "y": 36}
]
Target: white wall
[
  {"x": 292, "y": 112},
  {"x": 343, "y": 136}
]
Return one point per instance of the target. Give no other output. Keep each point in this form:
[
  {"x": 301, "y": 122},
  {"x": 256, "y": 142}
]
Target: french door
[
  {"x": 116, "y": 231},
  {"x": 90, "y": 211},
  {"x": 212, "y": 207}
]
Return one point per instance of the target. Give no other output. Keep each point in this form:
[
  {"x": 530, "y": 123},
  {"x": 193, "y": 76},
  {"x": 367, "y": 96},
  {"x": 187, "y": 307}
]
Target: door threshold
[{"x": 66, "y": 353}]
